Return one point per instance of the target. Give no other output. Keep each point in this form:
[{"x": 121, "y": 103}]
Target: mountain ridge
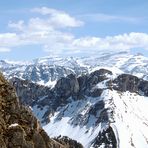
[
  {"x": 47, "y": 70},
  {"x": 88, "y": 104},
  {"x": 93, "y": 100}
]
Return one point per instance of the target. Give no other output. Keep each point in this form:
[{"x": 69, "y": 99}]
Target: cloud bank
[{"x": 52, "y": 33}]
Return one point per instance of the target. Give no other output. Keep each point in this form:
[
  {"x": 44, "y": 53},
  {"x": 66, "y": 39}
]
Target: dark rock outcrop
[
  {"x": 106, "y": 138},
  {"x": 68, "y": 142},
  {"x": 127, "y": 82},
  {"x": 67, "y": 87},
  {"x": 87, "y": 82},
  {"x": 28, "y": 92}
]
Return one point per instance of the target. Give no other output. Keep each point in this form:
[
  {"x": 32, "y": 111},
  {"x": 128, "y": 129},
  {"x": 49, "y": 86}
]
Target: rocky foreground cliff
[{"x": 18, "y": 126}]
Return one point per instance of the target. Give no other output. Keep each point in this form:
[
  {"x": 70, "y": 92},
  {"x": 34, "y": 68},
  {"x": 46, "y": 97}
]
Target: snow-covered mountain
[
  {"x": 44, "y": 71},
  {"x": 99, "y": 101},
  {"x": 47, "y": 70},
  {"x": 99, "y": 109}
]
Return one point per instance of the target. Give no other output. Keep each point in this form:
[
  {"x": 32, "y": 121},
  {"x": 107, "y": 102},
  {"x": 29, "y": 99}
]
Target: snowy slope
[
  {"x": 131, "y": 119},
  {"x": 127, "y": 116},
  {"x": 68, "y": 121}
]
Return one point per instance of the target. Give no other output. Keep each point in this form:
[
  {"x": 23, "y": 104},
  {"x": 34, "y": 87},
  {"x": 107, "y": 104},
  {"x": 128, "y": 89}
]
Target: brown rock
[{"x": 18, "y": 127}]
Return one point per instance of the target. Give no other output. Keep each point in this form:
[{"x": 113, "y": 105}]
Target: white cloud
[
  {"x": 45, "y": 10},
  {"x": 58, "y": 18},
  {"x": 92, "y": 45},
  {"x": 42, "y": 31},
  {"x": 4, "y": 49},
  {"x": 9, "y": 39},
  {"x": 101, "y": 17},
  {"x": 18, "y": 26},
  {"x": 119, "y": 42}
]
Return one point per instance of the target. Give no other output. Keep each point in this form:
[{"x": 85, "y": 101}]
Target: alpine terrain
[
  {"x": 100, "y": 101},
  {"x": 18, "y": 126}
]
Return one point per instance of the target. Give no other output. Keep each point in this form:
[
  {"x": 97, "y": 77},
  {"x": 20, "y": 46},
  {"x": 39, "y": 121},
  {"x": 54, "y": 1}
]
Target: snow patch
[{"x": 13, "y": 125}]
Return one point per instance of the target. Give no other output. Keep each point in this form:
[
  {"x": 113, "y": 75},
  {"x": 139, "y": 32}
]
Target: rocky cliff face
[
  {"x": 126, "y": 82},
  {"x": 96, "y": 109},
  {"x": 45, "y": 100},
  {"x": 19, "y": 127}
]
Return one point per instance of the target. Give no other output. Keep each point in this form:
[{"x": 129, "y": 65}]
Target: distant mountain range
[{"x": 48, "y": 70}]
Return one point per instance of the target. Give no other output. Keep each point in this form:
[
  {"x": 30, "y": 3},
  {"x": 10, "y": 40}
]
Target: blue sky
[{"x": 36, "y": 28}]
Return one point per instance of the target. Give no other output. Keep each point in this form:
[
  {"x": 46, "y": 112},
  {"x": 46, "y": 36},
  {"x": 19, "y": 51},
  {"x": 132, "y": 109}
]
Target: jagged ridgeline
[{"x": 18, "y": 126}]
